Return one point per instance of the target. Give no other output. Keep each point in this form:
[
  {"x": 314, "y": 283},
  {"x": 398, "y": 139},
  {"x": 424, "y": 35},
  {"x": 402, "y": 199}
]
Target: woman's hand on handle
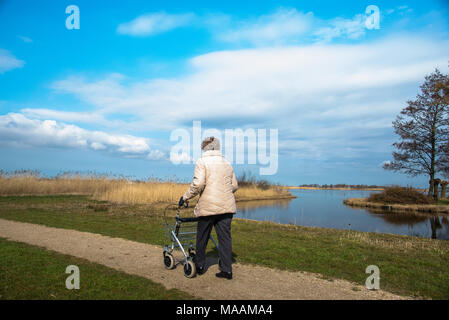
[{"x": 183, "y": 202}]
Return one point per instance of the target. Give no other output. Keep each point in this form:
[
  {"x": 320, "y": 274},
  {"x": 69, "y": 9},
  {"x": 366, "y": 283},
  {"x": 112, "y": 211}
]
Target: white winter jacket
[{"x": 214, "y": 180}]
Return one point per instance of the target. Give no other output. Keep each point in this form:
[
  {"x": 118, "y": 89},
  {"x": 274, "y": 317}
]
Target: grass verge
[
  {"x": 408, "y": 265},
  {"x": 30, "y": 272}
]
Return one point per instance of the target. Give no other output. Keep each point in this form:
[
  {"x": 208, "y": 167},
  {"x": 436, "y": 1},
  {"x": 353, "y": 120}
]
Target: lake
[{"x": 325, "y": 208}]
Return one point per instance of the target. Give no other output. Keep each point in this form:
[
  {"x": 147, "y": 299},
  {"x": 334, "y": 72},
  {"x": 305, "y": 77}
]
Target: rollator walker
[{"x": 182, "y": 235}]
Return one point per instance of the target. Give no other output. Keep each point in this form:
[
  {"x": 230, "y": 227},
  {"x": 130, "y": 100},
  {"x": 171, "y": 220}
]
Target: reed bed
[
  {"x": 31, "y": 183},
  {"x": 143, "y": 193},
  {"x": 155, "y": 192},
  {"x": 255, "y": 193},
  {"x": 116, "y": 189}
]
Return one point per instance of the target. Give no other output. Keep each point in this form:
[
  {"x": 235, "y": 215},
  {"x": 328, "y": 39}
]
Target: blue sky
[{"x": 106, "y": 97}]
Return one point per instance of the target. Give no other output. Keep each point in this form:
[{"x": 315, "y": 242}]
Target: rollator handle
[{"x": 185, "y": 204}]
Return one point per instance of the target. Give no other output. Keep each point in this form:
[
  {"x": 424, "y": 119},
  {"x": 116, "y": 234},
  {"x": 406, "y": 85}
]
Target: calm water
[{"x": 325, "y": 208}]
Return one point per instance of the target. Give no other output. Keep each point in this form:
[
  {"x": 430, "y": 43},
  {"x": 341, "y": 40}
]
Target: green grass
[
  {"x": 29, "y": 272},
  {"x": 408, "y": 265}
]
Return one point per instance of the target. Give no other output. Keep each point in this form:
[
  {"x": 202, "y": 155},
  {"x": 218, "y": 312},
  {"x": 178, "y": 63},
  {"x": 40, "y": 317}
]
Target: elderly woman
[{"x": 214, "y": 180}]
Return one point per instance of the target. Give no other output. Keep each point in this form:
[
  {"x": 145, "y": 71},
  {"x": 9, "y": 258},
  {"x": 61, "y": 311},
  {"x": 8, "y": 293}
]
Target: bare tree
[{"x": 423, "y": 128}]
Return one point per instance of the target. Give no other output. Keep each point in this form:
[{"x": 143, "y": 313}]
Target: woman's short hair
[{"x": 210, "y": 143}]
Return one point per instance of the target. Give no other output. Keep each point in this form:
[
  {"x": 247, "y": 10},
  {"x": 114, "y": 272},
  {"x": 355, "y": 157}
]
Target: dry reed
[{"x": 116, "y": 190}]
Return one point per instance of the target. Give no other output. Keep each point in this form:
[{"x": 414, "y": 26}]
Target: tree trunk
[
  {"x": 436, "y": 183},
  {"x": 443, "y": 189},
  {"x": 430, "y": 193},
  {"x": 432, "y": 158}
]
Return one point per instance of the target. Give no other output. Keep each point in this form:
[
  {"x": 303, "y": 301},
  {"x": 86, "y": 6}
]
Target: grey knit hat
[{"x": 210, "y": 143}]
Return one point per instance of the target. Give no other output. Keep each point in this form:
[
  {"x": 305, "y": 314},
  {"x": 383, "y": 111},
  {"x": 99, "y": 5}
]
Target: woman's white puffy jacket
[{"x": 214, "y": 180}]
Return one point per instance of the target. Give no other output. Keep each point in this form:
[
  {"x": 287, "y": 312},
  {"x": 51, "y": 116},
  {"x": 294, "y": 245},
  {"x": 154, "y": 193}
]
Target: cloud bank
[
  {"x": 285, "y": 25},
  {"x": 324, "y": 98},
  {"x": 18, "y": 130},
  {"x": 328, "y": 100}
]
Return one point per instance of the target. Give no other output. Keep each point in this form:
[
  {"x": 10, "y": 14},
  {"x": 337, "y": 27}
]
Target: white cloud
[
  {"x": 287, "y": 26},
  {"x": 177, "y": 158},
  {"x": 400, "y": 10},
  {"x": 156, "y": 155},
  {"x": 8, "y": 61},
  {"x": 342, "y": 28},
  {"x": 154, "y": 23},
  {"x": 97, "y": 146},
  {"x": 67, "y": 116},
  {"x": 311, "y": 93},
  {"x": 18, "y": 130},
  {"x": 283, "y": 25}
]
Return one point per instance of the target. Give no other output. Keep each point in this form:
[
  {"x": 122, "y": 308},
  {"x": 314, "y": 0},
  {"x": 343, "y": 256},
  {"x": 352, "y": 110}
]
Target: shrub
[
  {"x": 400, "y": 195},
  {"x": 249, "y": 180}
]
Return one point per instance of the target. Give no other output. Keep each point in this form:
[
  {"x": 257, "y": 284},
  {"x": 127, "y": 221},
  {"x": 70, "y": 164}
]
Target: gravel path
[{"x": 250, "y": 282}]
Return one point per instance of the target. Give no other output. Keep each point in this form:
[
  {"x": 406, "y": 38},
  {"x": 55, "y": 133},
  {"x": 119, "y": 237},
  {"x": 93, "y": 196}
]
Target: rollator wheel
[
  {"x": 169, "y": 261},
  {"x": 190, "y": 269}
]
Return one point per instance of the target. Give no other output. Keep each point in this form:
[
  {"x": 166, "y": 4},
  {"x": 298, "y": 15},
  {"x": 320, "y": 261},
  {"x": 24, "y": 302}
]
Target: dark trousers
[{"x": 222, "y": 225}]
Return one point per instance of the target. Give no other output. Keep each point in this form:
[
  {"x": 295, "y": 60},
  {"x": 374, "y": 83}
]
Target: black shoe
[
  {"x": 200, "y": 271},
  {"x": 225, "y": 275}
]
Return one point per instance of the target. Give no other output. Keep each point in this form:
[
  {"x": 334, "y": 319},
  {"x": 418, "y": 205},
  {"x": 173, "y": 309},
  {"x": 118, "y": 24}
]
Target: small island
[{"x": 403, "y": 199}]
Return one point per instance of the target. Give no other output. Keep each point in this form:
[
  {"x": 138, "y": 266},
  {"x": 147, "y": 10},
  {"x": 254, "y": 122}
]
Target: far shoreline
[{"x": 340, "y": 188}]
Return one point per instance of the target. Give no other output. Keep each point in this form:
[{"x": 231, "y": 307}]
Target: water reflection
[
  {"x": 325, "y": 208},
  {"x": 249, "y": 205},
  {"x": 410, "y": 219}
]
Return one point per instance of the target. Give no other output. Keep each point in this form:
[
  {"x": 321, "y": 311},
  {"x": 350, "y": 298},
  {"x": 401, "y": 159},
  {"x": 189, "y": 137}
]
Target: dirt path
[{"x": 250, "y": 282}]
